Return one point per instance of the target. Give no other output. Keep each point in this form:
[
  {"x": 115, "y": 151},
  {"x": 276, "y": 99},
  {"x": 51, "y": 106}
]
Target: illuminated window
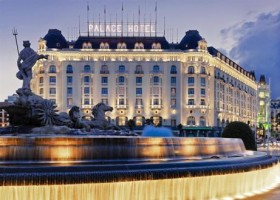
[
  {"x": 191, "y": 120},
  {"x": 41, "y": 80},
  {"x": 202, "y": 121}
]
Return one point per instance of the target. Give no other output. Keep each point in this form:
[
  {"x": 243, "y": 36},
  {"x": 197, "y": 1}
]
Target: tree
[{"x": 243, "y": 131}]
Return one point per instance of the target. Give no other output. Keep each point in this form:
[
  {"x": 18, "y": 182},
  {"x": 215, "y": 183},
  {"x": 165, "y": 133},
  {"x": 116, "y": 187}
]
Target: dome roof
[
  {"x": 190, "y": 40},
  {"x": 55, "y": 39}
]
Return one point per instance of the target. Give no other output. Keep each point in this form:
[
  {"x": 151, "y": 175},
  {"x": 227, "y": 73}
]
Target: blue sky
[{"x": 247, "y": 30}]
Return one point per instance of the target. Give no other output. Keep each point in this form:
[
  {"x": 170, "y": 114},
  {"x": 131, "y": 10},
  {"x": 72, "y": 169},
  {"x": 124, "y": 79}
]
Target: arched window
[
  {"x": 191, "y": 120},
  {"x": 121, "y": 79},
  {"x": 104, "y": 69},
  {"x": 202, "y": 70},
  {"x": 191, "y": 70},
  {"x": 52, "y": 69},
  {"x": 102, "y": 45},
  {"x": 121, "y": 68},
  {"x": 106, "y": 45},
  {"x": 202, "y": 121},
  {"x": 156, "y": 79},
  {"x": 86, "y": 68},
  {"x": 69, "y": 69},
  {"x": 155, "y": 68},
  {"x": 173, "y": 69}
]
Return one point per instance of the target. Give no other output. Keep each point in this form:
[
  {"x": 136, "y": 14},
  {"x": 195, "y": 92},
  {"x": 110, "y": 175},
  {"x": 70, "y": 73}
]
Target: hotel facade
[{"x": 144, "y": 77}]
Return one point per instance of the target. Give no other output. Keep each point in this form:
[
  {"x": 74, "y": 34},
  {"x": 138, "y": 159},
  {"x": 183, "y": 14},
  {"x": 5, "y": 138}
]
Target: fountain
[{"x": 93, "y": 159}]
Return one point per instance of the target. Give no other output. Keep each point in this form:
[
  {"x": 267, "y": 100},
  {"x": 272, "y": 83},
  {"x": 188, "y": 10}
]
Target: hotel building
[
  {"x": 275, "y": 118},
  {"x": 145, "y": 77}
]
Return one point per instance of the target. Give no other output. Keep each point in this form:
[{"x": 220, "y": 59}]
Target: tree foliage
[{"x": 243, "y": 131}]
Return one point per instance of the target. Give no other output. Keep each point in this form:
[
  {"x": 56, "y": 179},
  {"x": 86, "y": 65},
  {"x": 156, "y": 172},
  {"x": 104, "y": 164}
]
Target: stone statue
[
  {"x": 99, "y": 120},
  {"x": 26, "y": 60},
  {"x": 77, "y": 120}
]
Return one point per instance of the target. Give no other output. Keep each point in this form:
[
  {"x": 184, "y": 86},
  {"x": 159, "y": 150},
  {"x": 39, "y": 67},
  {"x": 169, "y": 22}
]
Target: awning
[{"x": 198, "y": 128}]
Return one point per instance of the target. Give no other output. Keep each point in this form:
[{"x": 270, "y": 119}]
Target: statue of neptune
[{"x": 26, "y": 60}]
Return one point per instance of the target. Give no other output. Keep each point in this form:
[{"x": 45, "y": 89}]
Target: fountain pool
[{"x": 91, "y": 167}]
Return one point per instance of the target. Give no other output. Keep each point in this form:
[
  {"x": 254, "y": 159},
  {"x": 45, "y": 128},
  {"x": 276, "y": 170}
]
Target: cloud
[{"x": 255, "y": 45}]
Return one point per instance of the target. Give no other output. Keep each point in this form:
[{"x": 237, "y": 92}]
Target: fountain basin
[{"x": 88, "y": 167}]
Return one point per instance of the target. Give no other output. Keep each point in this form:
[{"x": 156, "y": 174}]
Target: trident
[{"x": 15, "y": 33}]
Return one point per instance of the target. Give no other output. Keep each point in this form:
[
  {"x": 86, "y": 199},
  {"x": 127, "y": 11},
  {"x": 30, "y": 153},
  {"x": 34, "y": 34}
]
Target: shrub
[{"x": 243, "y": 131}]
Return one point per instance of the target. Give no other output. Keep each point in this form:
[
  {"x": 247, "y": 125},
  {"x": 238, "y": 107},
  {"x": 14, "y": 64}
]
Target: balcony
[
  {"x": 121, "y": 71},
  {"x": 139, "y": 106},
  {"x": 104, "y": 72},
  {"x": 138, "y": 72},
  {"x": 156, "y": 106},
  {"x": 156, "y": 72},
  {"x": 119, "y": 106}
]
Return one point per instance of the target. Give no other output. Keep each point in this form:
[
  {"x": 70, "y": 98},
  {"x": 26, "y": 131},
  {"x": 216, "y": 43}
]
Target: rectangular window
[
  {"x": 138, "y": 91},
  {"x": 155, "y": 91},
  {"x": 173, "y": 80},
  {"x": 86, "y": 101},
  {"x": 69, "y": 101},
  {"x": 121, "y": 101},
  {"x": 104, "y": 80},
  {"x": 173, "y": 103},
  {"x": 104, "y": 91},
  {"x": 121, "y": 90},
  {"x": 173, "y": 123},
  {"x": 86, "y": 79},
  {"x": 202, "y": 92},
  {"x": 105, "y": 101},
  {"x": 202, "y": 102},
  {"x": 69, "y": 79},
  {"x": 41, "y": 91},
  {"x": 139, "y": 102},
  {"x": 190, "y": 81},
  {"x": 202, "y": 81},
  {"x": 41, "y": 80},
  {"x": 155, "y": 101},
  {"x": 173, "y": 91},
  {"x": 138, "y": 80},
  {"x": 52, "y": 91},
  {"x": 191, "y": 102},
  {"x": 52, "y": 79},
  {"x": 86, "y": 90},
  {"x": 69, "y": 91},
  {"x": 191, "y": 91}
]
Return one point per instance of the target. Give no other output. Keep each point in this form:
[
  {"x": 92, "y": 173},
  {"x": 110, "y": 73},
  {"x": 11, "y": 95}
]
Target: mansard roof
[
  {"x": 216, "y": 53},
  {"x": 55, "y": 39},
  {"x": 128, "y": 40}
]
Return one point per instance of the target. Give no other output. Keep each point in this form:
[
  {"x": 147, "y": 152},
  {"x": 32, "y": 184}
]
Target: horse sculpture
[{"x": 99, "y": 120}]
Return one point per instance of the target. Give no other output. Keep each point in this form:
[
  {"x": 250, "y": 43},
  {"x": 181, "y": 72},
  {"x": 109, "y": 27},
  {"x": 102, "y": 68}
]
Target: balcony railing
[
  {"x": 156, "y": 106},
  {"x": 104, "y": 72},
  {"x": 139, "y": 72},
  {"x": 118, "y": 106},
  {"x": 156, "y": 72}
]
